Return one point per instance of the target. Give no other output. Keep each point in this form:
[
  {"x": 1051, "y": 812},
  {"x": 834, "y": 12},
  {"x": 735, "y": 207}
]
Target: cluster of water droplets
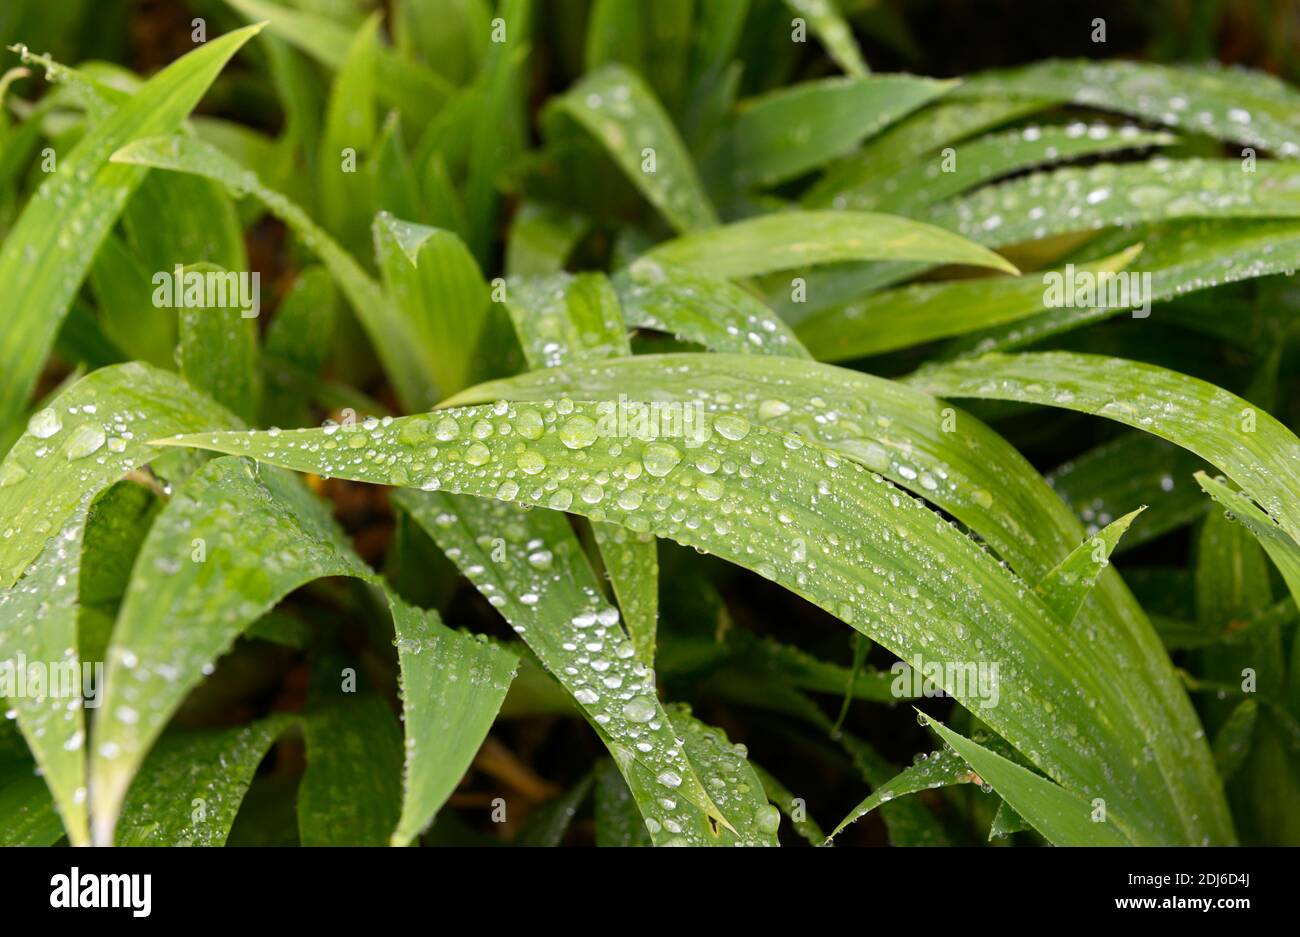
[{"x": 671, "y": 299}]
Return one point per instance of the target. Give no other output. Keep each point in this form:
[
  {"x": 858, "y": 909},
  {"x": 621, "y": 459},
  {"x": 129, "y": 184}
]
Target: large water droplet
[
  {"x": 531, "y": 462},
  {"x": 529, "y": 425},
  {"x": 660, "y": 458},
  {"x": 85, "y": 440},
  {"x": 640, "y": 709},
  {"x": 579, "y": 432},
  {"x": 44, "y": 423},
  {"x": 731, "y": 426}
]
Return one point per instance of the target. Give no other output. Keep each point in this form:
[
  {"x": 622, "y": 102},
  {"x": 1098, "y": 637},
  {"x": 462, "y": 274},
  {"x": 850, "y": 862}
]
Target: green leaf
[
  {"x": 497, "y": 132},
  {"x": 88, "y": 437},
  {"x": 38, "y": 632},
  {"x": 1227, "y": 103},
  {"x": 350, "y": 793},
  {"x": 921, "y": 312},
  {"x": 217, "y": 350},
  {"x": 1281, "y": 548},
  {"x": 1247, "y": 444},
  {"x": 616, "y": 108},
  {"x": 831, "y": 28},
  {"x": 789, "y": 132},
  {"x": 430, "y": 275},
  {"x": 1006, "y": 821},
  {"x": 923, "y": 132},
  {"x": 915, "y": 188},
  {"x": 207, "y": 230},
  {"x": 729, "y": 777},
  {"x": 938, "y": 769},
  {"x": 652, "y": 41},
  {"x": 702, "y": 308},
  {"x": 566, "y": 315},
  {"x": 387, "y": 328},
  {"x": 785, "y": 240},
  {"x": 1193, "y": 256},
  {"x": 297, "y": 346},
  {"x": 48, "y": 251},
  {"x": 350, "y": 131},
  {"x": 938, "y": 453},
  {"x": 618, "y": 820},
  {"x": 259, "y": 535},
  {"x": 785, "y": 801},
  {"x": 450, "y": 36},
  {"x": 121, "y": 284},
  {"x": 866, "y": 542},
  {"x": 1066, "y": 587},
  {"x": 452, "y": 687},
  {"x": 535, "y": 574},
  {"x": 1049, "y": 203},
  {"x": 190, "y": 787},
  {"x": 770, "y": 660},
  {"x": 1064, "y": 818},
  {"x": 1232, "y": 743}
]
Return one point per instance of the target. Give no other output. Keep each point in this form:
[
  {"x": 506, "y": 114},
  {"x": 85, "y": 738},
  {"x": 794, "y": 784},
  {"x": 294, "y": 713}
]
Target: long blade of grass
[
  {"x": 567, "y": 317},
  {"x": 405, "y": 85},
  {"x": 785, "y": 240},
  {"x": 25, "y": 802},
  {"x": 452, "y": 688},
  {"x": 1049, "y": 203},
  {"x": 431, "y": 276},
  {"x": 1194, "y": 256},
  {"x": 740, "y": 795},
  {"x": 1135, "y": 468},
  {"x": 1244, "y": 442},
  {"x": 945, "y": 122},
  {"x": 899, "y": 318},
  {"x": 48, "y": 251},
  {"x": 1281, "y": 549},
  {"x": 915, "y": 188},
  {"x": 833, "y": 30},
  {"x": 217, "y": 349},
  {"x": 787, "y": 133},
  {"x": 1064, "y": 818},
  {"x": 616, "y": 108},
  {"x": 38, "y": 630},
  {"x": 1228, "y": 104}
]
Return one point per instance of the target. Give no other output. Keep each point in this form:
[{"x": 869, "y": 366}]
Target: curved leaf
[{"x": 785, "y": 240}]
